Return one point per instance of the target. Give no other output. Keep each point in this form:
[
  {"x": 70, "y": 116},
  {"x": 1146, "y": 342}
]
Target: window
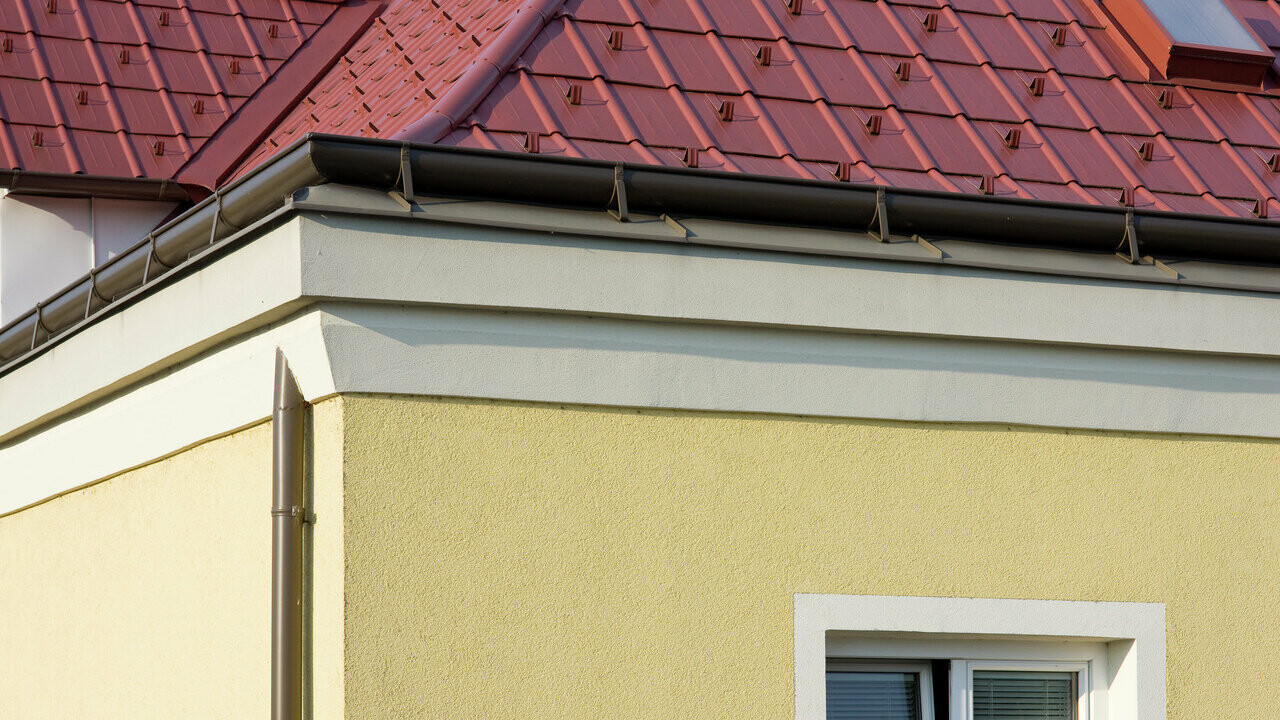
[
  {"x": 859, "y": 690},
  {"x": 1006, "y": 692},
  {"x": 1203, "y": 22},
  {"x": 964, "y": 680},
  {"x": 1194, "y": 40},
  {"x": 911, "y": 658}
]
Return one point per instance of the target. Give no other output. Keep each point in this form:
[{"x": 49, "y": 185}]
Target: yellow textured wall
[
  {"x": 148, "y": 595},
  {"x": 508, "y": 560}
]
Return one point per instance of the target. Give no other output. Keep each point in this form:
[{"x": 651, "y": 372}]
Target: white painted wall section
[{"x": 47, "y": 243}]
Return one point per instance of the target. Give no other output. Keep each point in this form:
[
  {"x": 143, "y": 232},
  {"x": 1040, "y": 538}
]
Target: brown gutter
[
  {"x": 21, "y": 182},
  {"x": 596, "y": 185},
  {"x": 288, "y": 514}
]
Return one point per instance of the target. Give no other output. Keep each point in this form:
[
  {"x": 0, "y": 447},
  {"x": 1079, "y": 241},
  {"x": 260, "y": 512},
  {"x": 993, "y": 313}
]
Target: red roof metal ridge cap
[
  {"x": 209, "y": 167},
  {"x": 479, "y": 80}
]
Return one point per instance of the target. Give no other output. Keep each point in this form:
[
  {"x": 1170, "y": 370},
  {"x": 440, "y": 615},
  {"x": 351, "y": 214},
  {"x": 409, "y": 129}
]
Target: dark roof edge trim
[
  {"x": 589, "y": 184},
  {"x": 21, "y": 182}
]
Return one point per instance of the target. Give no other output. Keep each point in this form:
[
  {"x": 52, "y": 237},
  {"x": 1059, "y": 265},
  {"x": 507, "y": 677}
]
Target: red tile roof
[
  {"x": 134, "y": 88},
  {"x": 1028, "y": 98}
]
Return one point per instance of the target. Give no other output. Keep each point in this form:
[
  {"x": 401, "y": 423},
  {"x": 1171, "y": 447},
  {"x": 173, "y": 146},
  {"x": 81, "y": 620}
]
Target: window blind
[
  {"x": 873, "y": 696},
  {"x": 1003, "y": 695}
]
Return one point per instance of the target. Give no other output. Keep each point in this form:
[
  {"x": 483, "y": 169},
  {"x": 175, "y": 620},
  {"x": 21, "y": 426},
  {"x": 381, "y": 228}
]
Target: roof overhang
[{"x": 1142, "y": 237}]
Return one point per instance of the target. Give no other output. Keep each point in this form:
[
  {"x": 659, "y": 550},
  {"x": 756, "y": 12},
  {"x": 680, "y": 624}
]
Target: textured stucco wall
[
  {"x": 510, "y": 560},
  {"x": 148, "y": 595}
]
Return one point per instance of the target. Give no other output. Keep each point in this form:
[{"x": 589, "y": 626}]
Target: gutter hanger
[{"x": 597, "y": 185}]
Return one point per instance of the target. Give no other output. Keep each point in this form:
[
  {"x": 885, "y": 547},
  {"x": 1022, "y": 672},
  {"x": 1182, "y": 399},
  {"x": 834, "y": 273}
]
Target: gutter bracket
[
  {"x": 405, "y": 195},
  {"x": 1162, "y": 267},
  {"x": 37, "y": 325},
  {"x": 676, "y": 225},
  {"x": 932, "y": 249},
  {"x": 882, "y": 215},
  {"x": 218, "y": 218},
  {"x": 1127, "y": 250},
  {"x": 93, "y": 293},
  {"x": 152, "y": 257},
  {"x": 621, "y": 214}
]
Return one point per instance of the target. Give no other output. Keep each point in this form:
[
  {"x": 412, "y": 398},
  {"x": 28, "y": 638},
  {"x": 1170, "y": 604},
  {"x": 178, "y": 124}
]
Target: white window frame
[
  {"x": 923, "y": 669},
  {"x": 1122, "y": 644}
]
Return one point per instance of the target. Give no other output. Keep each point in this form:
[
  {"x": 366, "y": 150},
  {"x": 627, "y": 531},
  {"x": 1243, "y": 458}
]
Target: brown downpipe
[{"x": 288, "y": 513}]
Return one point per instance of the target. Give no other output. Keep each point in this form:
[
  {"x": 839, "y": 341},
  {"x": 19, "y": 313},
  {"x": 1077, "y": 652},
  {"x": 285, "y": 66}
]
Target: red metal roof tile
[
  {"x": 814, "y": 24},
  {"x": 1052, "y": 11},
  {"x": 1023, "y": 98},
  {"x": 581, "y": 50},
  {"x": 743, "y": 18},
  {"x": 111, "y": 22},
  {"x": 788, "y": 74},
  {"x": 987, "y": 7},
  {"x": 914, "y": 180},
  {"x": 1046, "y": 97},
  {"x": 952, "y": 145},
  {"x": 873, "y": 27},
  {"x": 812, "y": 131},
  {"x": 980, "y": 92},
  {"x": 697, "y": 61},
  {"x": 893, "y": 147},
  {"x": 63, "y": 60},
  {"x": 1239, "y": 119},
  {"x": 27, "y": 102},
  {"x": 1022, "y": 152},
  {"x": 1219, "y": 165},
  {"x": 1159, "y": 169},
  {"x": 1177, "y": 112},
  {"x": 1089, "y": 158},
  {"x": 1110, "y": 105},
  {"x": 90, "y": 85},
  {"x": 1055, "y": 192},
  {"x": 1004, "y": 42},
  {"x": 948, "y": 40},
  {"x": 913, "y": 85}
]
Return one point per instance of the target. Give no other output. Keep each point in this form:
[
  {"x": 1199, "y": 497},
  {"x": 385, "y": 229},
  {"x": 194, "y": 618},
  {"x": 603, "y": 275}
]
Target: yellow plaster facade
[
  {"x": 147, "y": 595},
  {"x": 495, "y": 559},
  {"x": 513, "y": 560},
  {"x": 144, "y": 596}
]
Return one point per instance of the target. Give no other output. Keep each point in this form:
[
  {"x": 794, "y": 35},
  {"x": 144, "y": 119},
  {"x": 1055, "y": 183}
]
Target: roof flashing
[{"x": 1198, "y": 40}]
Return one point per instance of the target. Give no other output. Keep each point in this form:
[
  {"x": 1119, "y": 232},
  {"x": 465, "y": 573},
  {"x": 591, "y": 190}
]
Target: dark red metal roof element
[
  {"x": 1028, "y": 98},
  {"x": 213, "y": 162},
  {"x": 422, "y": 61},
  {"x": 132, "y": 88}
]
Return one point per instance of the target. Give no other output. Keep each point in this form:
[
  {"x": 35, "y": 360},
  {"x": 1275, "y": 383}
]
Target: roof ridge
[{"x": 477, "y": 81}]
